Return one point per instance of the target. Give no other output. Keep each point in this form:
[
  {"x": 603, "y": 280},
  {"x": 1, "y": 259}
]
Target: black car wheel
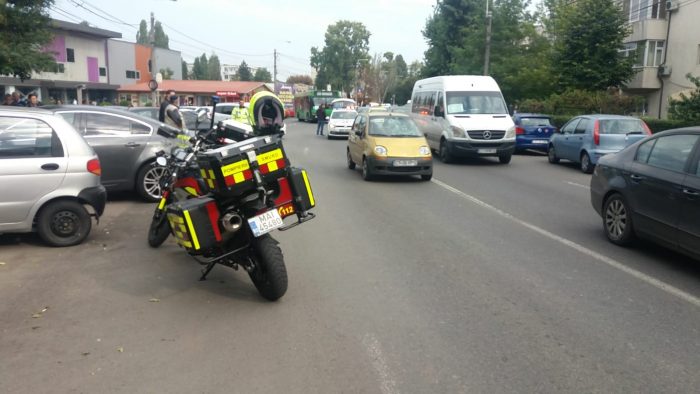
[
  {"x": 366, "y": 172},
  {"x": 351, "y": 164},
  {"x": 63, "y": 223},
  {"x": 148, "y": 182},
  {"x": 617, "y": 220},
  {"x": 505, "y": 159},
  {"x": 552, "y": 155},
  {"x": 445, "y": 154},
  {"x": 586, "y": 165}
]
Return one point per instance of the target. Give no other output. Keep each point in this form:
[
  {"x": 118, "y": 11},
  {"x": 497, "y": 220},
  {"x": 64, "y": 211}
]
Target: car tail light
[
  {"x": 519, "y": 130},
  {"x": 646, "y": 127},
  {"x": 93, "y": 167},
  {"x": 596, "y": 132}
]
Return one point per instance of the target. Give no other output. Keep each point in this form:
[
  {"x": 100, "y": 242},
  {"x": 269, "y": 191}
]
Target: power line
[
  {"x": 66, "y": 14},
  {"x": 114, "y": 18},
  {"x": 93, "y": 12},
  {"x": 211, "y": 46}
]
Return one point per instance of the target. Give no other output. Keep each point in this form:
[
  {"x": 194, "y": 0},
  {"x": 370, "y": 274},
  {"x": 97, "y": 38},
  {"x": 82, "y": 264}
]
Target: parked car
[
  {"x": 49, "y": 175},
  {"x": 289, "y": 111},
  {"x": 149, "y": 112},
  {"x": 533, "y": 131},
  {"x": 218, "y": 116},
  {"x": 126, "y": 144},
  {"x": 340, "y": 122},
  {"x": 651, "y": 190},
  {"x": 383, "y": 143},
  {"x": 585, "y": 139}
]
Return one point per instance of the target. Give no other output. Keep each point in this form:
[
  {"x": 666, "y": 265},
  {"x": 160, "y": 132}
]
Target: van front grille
[{"x": 486, "y": 134}]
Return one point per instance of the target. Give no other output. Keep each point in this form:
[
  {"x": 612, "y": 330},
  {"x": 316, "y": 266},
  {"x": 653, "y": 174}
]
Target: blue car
[
  {"x": 585, "y": 139},
  {"x": 533, "y": 131}
]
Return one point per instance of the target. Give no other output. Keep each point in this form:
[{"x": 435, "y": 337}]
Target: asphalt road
[{"x": 490, "y": 278}]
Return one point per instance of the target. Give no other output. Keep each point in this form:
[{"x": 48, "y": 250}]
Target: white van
[{"x": 464, "y": 116}]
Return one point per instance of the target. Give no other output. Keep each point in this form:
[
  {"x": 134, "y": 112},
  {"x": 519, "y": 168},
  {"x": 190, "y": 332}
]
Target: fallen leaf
[
  {"x": 46, "y": 308},
  {"x": 154, "y": 300},
  {"x": 85, "y": 353},
  {"x": 36, "y": 327},
  {"x": 36, "y": 315},
  {"x": 2, "y": 263},
  {"x": 120, "y": 349}
]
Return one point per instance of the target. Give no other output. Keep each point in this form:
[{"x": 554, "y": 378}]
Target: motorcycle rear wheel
[
  {"x": 159, "y": 230},
  {"x": 270, "y": 274}
]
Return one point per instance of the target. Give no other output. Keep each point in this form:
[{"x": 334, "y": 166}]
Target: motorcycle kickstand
[{"x": 207, "y": 270}]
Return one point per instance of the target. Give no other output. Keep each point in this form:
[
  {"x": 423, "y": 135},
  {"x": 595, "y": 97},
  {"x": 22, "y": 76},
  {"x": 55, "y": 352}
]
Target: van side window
[
  {"x": 440, "y": 104},
  {"x": 423, "y": 103}
]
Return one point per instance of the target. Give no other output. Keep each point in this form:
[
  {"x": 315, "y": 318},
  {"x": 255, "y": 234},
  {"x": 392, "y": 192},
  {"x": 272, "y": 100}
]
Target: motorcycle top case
[
  {"x": 228, "y": 170},
  {"x": 195, "y": 223}
]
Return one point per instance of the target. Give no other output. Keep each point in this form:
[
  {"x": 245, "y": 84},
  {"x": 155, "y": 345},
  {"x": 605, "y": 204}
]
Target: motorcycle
[{"x": 222, "y": 201}]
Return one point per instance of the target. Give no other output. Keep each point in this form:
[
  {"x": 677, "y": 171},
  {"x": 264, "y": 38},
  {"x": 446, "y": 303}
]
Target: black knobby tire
[
  {"x": 617, "y": 220},
  {"x": 505, "y": 159},
  {"x": 444, "y": 153},
  {"x": 351, "y": 164},
  {"x": 552, "y": 155},
  {"x": 270, "y": 274},
  {"x": 159, "y": 230},
  {"x": 586, "y": 165},
  {"x": 148, "y": 182},
  {"x": 63, "y": 223},
  {"x": 366, "y": 171}
]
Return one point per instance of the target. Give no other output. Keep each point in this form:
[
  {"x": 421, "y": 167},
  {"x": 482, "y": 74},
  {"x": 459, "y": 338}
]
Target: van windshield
[{"x": 468, "y": 103}]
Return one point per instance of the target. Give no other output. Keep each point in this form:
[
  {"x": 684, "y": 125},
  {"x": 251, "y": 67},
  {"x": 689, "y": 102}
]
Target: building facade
[
  {"x": 132, "y": 63},
  {"x": 191, "y": 92},
  {"x": 665, "y": 42}
]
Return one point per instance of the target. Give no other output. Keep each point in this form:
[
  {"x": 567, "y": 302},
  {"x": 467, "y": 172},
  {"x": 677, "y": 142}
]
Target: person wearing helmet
[{"x": 266, "y": 113}]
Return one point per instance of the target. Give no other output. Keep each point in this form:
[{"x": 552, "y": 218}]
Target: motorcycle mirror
[{"x": 162, "y": 161}]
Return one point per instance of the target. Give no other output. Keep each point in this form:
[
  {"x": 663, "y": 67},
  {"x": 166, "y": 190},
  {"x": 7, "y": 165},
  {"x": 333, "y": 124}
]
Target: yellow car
[{"x": 386, "y": 143}]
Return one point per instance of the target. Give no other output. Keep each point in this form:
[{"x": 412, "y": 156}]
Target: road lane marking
[
  {"x": 579, "y": 185},
  {"x": 374, "y": 349},
  {"x": 605, "y": 259}
]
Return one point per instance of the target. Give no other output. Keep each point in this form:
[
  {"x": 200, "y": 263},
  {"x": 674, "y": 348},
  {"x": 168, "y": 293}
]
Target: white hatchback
[{"x": 340, "y": 122}]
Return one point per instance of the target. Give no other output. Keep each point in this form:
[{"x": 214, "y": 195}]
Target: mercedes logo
[{"x": 487, "y": 135}]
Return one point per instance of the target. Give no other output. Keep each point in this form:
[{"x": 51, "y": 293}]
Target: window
[
  {"x": 570, "y": 127},
  {"x": 133, "y": 74},
  {"x": 60, "y": 68},
  {"x": 138, "y": 75},
  {"x": 23, "y": 137},
  {"x": 646, "y": 9},
  {"x": 654, "y": 53},
  {"x": 103, "y": 72},
  {"x": 582, "y": 126},
  {"x": 138, "y": 128},
  {"x": 672, "y": 152},
  {"x": 644, "y": 150},
  {"x": 424, "y": 103},
  {"x": 474, "y": 102},
  {"x": 70, "y": 55},
  {"x": 106, "y": 125}
]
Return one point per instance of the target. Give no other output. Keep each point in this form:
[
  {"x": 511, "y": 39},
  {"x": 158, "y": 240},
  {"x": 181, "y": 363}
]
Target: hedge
[{"x": 656, "y": 125}]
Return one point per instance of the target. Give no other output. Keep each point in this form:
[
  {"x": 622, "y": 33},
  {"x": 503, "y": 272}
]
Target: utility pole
[
  {"x": 487, "y": 52},
  {"x": 152, "y": 61},
  {"x": 274, "y": 73}
]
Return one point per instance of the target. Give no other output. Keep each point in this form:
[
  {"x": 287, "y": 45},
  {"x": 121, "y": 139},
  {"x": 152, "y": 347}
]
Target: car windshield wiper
[{"x": 634, "y": 132}]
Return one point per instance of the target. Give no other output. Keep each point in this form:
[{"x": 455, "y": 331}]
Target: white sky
[{"x": 235, "y": 29}]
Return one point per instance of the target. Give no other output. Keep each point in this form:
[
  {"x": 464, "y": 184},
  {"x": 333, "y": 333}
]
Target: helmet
[{"x": 266, "y": 113}]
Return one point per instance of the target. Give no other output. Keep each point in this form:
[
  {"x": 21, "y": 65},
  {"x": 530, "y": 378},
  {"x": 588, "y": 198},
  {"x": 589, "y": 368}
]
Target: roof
[
  {"x": 190, "y": 86},
  {"x": 86, "y": 29}
]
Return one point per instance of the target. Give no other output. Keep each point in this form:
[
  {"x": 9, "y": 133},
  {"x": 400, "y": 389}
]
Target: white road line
[
  {"x": 374, "y": 349},
  {"x": 607, "y": 260},
  {"x": 578, "y": 185}
]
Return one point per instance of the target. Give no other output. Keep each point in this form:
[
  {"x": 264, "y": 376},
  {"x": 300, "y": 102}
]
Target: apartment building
[{"x": 665, "y": 42}]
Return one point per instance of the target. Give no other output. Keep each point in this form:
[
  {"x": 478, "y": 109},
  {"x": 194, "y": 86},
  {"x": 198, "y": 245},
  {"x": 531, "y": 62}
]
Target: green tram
[{"x": 306, "y": 103}]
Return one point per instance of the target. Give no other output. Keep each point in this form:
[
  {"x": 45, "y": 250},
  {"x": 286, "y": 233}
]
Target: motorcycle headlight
[
  {"x": 380, "y": 150},
  {"x": 510, "y": 133},
  {"x": 424, "y": 150},
  {"x": 458, "y": 132}
]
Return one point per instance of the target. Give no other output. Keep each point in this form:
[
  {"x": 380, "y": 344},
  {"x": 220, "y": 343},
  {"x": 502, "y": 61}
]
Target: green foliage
[
  {"x": 161, "y": 39},
  {"x": 304, "y": 79},
  {"x": 576, "y": 102},
  {"x": 587, "y": 43},
  {"x": 24, "y": 32},
  {"x": 214, "y": 68},
  {"x": 686, "y": 108},
  {"x": 346, "y": 43},
  {"x": 184, "y": 70},
  {"x": 125, "y": 103},
  {"x": 659, "y": 125},
  {"x": 244, "y": 73},
  {"x": 142, "y": 33},
  {"x": 200, "y": 69},
  {"x": 167, "y": 73},
  {"x": 262, "y": 75}
]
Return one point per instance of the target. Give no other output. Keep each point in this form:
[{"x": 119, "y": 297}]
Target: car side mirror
[{"x": 358, "y": 133}]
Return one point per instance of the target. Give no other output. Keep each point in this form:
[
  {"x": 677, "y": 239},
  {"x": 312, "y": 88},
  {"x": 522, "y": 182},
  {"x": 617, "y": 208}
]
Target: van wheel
[
  {"x": 586, "y": 165},
  {"x": 504, "y": 159},
  {"x": 445, "y": 154},
  {"x": 63, "y": 223}
]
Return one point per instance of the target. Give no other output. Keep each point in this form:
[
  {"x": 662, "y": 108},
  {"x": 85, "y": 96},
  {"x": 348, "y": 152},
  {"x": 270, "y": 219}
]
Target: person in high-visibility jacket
[
  {"x": 240, "y": 114},
  {"x": 266, "y": 113}
]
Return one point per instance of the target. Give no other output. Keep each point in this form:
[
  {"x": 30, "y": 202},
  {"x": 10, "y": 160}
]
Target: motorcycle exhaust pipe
[{"x": 232, "y": 222}]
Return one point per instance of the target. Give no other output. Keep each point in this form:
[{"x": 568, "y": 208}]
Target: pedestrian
[
  {"x": 172, "y": 113},
  {"x": 240, "y": 113},
  {"x": 8, "y": 99},
  {"x": 32, "y": 100},
  {"x": 16, "y": 99},
  {"x": 164, "y": 104},
  {"x": 321, "y": 118}
]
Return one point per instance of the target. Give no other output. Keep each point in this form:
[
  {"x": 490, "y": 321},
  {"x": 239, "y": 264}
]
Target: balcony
[
  {"x": 645, "y": 79},
  {"x": 648, "y": 29}
]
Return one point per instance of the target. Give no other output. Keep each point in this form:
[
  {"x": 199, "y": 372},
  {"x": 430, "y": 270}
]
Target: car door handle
[
  {"x": 132, "y": 144},
  {"x": 50, "y": 166},
  {"x": 690, "y": 193},
  {"x": 636, "y": 178}
]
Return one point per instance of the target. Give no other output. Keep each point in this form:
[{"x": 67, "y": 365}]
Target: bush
[
  {"x": 659, "y": 125},
  {"x": 578, "y": 102},
  {"x": 687, "y": 108},
  {"x": 124, "y": 103}
]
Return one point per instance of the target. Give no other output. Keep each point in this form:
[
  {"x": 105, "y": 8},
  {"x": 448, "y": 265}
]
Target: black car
[
  {"x": 126, "y": 144},
  {"x": 651, "y": 189}
]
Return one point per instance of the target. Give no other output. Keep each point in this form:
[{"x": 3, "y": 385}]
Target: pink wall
[{"x": 58, "y": 47}]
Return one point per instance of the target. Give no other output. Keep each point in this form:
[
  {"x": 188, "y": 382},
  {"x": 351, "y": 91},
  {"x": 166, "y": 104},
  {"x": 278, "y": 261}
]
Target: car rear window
[
  {"x": 621, "y": 126},
  {"x": 535, "y": 121}
]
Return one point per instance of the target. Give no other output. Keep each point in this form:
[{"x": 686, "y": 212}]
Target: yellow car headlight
[
  {"x": 380, "y": 150},
  {"x": 424, "y": 151}
]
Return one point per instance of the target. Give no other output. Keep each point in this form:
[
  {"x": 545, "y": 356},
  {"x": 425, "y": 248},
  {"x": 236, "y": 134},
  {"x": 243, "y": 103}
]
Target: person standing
[
  {"x": 16, "y": 99},
  {"x": 320, "y": 118},
  {"x": 8, "y": 99},
  {"x": 32, "y": 100},
  {"x": 164, "y": 104},
  {"x": 240, "y": 113},
  {"x": 172, "y": 113}
]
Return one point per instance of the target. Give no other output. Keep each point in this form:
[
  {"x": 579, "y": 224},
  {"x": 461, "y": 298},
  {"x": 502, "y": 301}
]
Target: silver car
[{"x": 49, "y": 177}]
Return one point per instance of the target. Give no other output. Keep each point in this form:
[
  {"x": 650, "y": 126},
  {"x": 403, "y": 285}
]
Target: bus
[{"x": 306, "y": 103}]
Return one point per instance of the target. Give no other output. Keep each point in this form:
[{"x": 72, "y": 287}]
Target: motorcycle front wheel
[
  {"x": 269, "y": 274},
  {"x": 159, "y": 229}
]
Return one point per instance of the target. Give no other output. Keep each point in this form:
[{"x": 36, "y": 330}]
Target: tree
[
  {"x": 401, "y": 67},
  {"x": 687, "y": 108},
  {"x": 167, "y": 73},
  {"x": 244, "y": 73},
  {"x": 160, "y": 39},
  {"x": 346, "y": 43},
  {"x": 214, "y": 68},
  {"x": 200, "y": 69},
  {"x": 142, "y": 34},
  {"x": 587, "y": 44},
  {"x": 262, "y": 75},
  {"x": 24, "y": 32},
  {"x": 185, "y": 73},
  {"x": 303, "y": 79}
]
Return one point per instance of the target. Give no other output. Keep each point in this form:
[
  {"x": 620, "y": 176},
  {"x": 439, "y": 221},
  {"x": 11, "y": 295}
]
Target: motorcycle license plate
[{"x": 266, "y": 222}]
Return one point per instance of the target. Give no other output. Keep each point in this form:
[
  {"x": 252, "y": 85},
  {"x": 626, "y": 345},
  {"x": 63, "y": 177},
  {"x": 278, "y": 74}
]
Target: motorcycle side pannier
[
  {"x": 228, "y": 170},
  {"x": 195, "y": 223},
  {"x": 301, "y": 189}
]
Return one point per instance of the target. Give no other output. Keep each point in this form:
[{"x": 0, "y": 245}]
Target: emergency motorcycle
[{"x": 221, "y": 201}]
